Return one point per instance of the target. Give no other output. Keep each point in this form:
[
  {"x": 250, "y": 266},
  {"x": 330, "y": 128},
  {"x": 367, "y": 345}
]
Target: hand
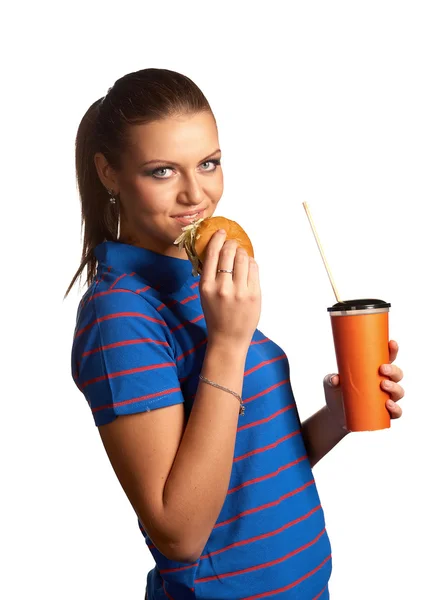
[
  {"x": 231, "y": 301},
  {"x": 333, "y": 395}
]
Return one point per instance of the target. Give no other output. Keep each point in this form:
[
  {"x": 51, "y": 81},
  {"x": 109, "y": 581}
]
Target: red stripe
[
  {"x": 291, "y": 585},
  {"x": 320, "y": 593},
  {"x": 143, "y": 289},
  {"x": 268, "y": 476},
  {"x": 196, "y": 284},
  {"x": 264, "y": 535},
  {"x": 97, "y": 281},
  {"x": 264, "y": 363},
  {"x": 265, "y": 506},
  {"x": 181, "y": 356},
  {"x": 168, "y": 304},
  {"x": 127, "y": 372},
  {"x": 262, "y": 393},
  {"x": 262, "y": 565},
  {"x": 109, "y": 292},
  {"x": 138, "y": 399},
  {"x": 189, "y": 299},
  {"x": 166, "y": 592},
  {"x": 263, "y": 341},
  {"x": 116, "y": 316},
  {"x": 273, "y": 416},
  {"x": 178, "y": 569},
  {"x": 268, "y": 447},
  {"x": 195, "y": 320},
  {"x": 119, "y": 278},
  {"x": 125, "y": 343}
]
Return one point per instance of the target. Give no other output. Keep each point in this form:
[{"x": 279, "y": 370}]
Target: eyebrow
[{"x": 174, "y": 164}]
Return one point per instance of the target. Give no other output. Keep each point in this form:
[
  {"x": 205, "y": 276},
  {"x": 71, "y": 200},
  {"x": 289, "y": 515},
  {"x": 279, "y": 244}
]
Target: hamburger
[{"x": 195, "y": 237}]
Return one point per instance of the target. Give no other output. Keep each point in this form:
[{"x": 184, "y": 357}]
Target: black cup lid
[{"x": 359, "y": 304}]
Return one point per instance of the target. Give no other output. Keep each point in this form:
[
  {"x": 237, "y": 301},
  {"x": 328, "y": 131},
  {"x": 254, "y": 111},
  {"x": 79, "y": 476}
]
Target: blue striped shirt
[{"x": 139, "y": 344}]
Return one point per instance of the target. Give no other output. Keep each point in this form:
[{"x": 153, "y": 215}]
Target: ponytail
[{"x": 99, "y": 217}]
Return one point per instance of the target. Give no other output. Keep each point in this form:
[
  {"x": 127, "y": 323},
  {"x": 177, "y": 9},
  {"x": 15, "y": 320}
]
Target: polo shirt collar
[{"x": 165, "y": 273}]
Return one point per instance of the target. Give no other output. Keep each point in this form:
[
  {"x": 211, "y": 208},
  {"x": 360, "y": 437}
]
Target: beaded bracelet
[{"x": 242, "y": 408}]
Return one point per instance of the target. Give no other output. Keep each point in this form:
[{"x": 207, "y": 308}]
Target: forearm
[
  {"x": 321, "y": 432},
  {"x": 198, "y": 482}
]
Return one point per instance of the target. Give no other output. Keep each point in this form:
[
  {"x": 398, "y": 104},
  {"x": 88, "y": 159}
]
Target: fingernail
[
  {"x": 386, "y": 369},
  {"x": 331, "y": 380},
  {"x": 391, "y": 403},
  {"x": 387, "y": 383}
]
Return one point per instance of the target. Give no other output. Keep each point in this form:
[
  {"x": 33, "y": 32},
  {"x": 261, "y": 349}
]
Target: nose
[{"x": 191, "y": 191}]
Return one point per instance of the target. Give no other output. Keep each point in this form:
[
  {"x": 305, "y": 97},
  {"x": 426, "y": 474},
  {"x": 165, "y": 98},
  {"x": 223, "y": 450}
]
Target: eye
[
  {"x": 208, "y": 166},
  {"x": 158, "y": 173},
  {"x": 215, "y": 162}
]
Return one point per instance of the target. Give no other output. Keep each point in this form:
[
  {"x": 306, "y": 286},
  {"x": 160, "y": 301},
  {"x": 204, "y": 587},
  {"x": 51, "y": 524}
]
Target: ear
[{"x": 106, "y": 173}]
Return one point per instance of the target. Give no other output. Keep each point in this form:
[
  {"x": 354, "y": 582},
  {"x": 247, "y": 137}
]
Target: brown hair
[{"x": 137, "y": 98}]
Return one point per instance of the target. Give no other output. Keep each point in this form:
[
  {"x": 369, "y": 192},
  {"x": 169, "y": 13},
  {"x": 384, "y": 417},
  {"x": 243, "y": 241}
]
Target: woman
[{"x": 226, "y": 501}]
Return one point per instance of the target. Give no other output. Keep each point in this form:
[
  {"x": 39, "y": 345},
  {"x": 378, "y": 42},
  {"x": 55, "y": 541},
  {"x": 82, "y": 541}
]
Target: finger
[
  {"x": 393, "y": 389},
  {"x": 226, "y": 261},
  {"x": 391, "y": 371},
  {"x": 241, "y": 268},
  {"x": 253, "y": 276},
  {"x": 395, "y": 411},
  {"x": 210, "y": 264},
  {"x": 332, "y": 379},
  {"x": 393, "y": 350}
]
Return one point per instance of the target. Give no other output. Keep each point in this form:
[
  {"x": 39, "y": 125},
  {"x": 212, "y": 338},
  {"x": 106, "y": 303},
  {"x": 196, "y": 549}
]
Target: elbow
[
  {"x": 175, "y": 544},
  {"x": 181, "y": 553},
  {"x": 176, "y": 550}
]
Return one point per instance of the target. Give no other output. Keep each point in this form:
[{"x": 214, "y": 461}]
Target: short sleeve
[{"x": 122, "y": 356}]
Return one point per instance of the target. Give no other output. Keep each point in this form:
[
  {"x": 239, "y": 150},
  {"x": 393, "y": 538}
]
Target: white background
[{"x": 333, "y": 103}]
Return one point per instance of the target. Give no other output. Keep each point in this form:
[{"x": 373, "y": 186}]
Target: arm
[
  {"x": 176, "y": 479},
  {"x": 321, "y": 432},
  {"x": 197, "y": 485}
]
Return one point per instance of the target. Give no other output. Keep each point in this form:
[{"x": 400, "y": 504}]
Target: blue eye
[
  {"x": 155, "y": 171},
  {"x": 215, "y": 162},
  {"x": 160, "y": 172}
]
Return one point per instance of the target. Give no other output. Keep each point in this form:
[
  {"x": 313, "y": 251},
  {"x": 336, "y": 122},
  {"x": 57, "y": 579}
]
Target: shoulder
[
  {"x": 109, "y": 295},
  {"x": 113, "y": 313}
]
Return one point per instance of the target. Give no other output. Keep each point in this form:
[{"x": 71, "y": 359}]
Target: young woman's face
[{"x": 172, "y": 167}]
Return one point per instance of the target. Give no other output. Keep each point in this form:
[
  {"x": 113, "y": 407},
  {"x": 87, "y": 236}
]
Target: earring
[
  {"x": 111, "y": 193},
  {"x": 113, "y": 201}
]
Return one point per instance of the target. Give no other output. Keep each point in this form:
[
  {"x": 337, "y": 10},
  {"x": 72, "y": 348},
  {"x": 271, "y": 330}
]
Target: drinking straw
[{"x": 307, "y": 209}]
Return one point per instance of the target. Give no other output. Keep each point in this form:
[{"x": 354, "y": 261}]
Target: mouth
[{"x": 190, "y": 218}]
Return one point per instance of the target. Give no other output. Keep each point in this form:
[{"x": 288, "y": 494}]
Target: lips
[{"x": 189, "y": 217}]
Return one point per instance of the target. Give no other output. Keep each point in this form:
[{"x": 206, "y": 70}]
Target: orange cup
[{"x": 361, "y": 337}]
